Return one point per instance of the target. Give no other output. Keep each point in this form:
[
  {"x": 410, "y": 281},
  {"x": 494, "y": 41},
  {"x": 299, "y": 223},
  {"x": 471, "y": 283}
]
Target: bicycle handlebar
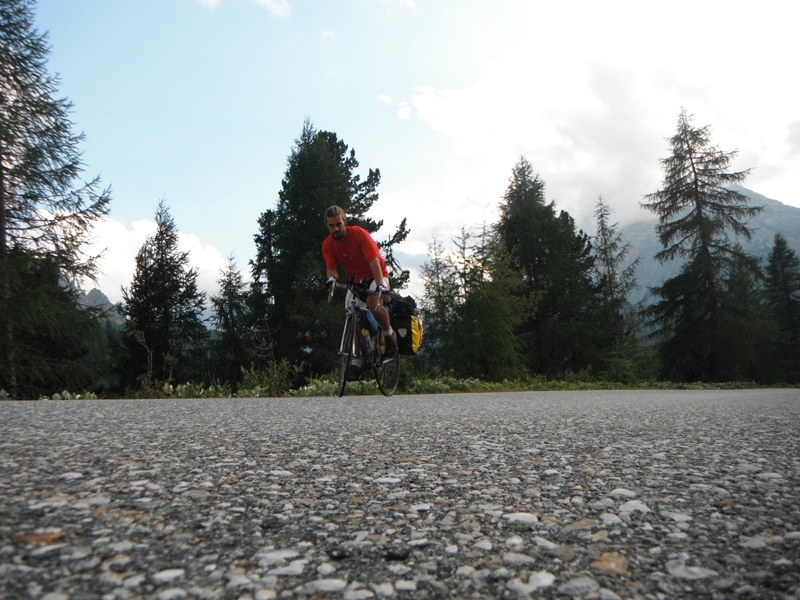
[{"x": 353, "y": 286}]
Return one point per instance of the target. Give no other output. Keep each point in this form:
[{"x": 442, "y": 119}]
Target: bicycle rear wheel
[{"x": 346, "y": 350}]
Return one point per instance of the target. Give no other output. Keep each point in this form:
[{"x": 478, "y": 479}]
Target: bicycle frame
[
  {"x": 368, "y": 351},
  {"x": 367, "y": 347}
]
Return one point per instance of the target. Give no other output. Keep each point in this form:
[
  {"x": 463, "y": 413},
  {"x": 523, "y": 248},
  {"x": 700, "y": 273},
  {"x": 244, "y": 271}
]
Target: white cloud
[
  {"x": 279, "y": 8},
  {"x": 207, "y": 259},
  {"x": 119, "y": 246},
  {"x": 410, "y": 4},
  {"x": 793, "y": 138},
  {"x": 404, "y": 108},
  {"x": 403, "y": 111},
  {"x": 590, "y": 102}
]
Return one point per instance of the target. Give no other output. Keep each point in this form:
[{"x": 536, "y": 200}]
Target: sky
[{"x": 199, "y": 103}]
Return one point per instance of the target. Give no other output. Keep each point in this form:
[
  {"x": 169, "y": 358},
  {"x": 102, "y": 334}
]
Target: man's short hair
[{"x": 335, "y": 211}]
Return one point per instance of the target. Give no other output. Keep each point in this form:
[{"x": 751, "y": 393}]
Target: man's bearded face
[{"x": 337, "y": 228}]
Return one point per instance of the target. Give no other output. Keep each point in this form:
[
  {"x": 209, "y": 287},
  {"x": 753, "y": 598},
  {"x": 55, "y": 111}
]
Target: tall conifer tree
[
  {"x": 697, "y": 212},
  {"x": 614, "y": 282},
  {"x": 615, "y": 279},
  {"x": 782, "y": 283},
  {"x": 441, "y": 298},
  {"x": 46, "y": 213},
  {"x": 485, "y": 341},
  {"x": 554, "y": 263},
  {"x": 163, "y": 306},
  {"x": 231, "y": 349}
]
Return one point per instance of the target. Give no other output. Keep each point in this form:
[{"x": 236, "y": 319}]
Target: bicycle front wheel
[
  {"x": 388, "y": 374},
  {"x": 346, "y": 350}
]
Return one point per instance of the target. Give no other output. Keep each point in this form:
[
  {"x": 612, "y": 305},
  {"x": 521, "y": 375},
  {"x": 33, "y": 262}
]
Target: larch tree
[
  {"x": 615, "y": 280},
  {"x": 698, "y": 212},
  {"x": 46, "y": 211}
]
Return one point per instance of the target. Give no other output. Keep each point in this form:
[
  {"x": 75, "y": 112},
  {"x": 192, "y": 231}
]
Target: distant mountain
[
  {"x": 97, "y": 299},
  {"x": 776, "y": 217}
]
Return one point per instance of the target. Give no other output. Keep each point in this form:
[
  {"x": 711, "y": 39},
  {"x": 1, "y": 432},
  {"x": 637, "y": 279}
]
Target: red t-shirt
[{"x": 353, "y": 254}]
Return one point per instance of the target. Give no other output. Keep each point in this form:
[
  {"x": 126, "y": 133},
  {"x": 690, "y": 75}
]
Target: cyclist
[{"x": 353, "y": 248}]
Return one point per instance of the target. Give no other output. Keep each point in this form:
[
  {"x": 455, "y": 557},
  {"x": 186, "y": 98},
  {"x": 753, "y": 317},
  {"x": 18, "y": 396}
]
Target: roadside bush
[{"x": 274, "y": 381}]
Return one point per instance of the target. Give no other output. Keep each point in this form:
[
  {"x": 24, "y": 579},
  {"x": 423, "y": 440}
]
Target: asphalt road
[{"x": 587, "y": 495}]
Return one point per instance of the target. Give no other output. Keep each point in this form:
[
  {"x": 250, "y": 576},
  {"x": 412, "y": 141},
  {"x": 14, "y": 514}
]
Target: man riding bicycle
[{"x": 353, "y": 248}]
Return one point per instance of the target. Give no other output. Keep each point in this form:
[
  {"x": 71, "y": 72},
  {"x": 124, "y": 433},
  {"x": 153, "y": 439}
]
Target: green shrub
[{"x": 274, "y": 381}]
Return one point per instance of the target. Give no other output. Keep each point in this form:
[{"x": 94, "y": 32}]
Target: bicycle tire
[{"x": 346, "y": 352}]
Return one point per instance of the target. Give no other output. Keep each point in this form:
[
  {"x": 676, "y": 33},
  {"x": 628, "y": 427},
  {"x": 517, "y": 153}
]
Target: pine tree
[
  {"x": 46, "y": 214},
  {"x": 554, "y": 263},
  {"x": 231, "y": 349},
  {"x": 55, "y": 333},
  {"x": 782, "y": 284},
  {"x": 696, "y": 212},
  {"x": 163, "y": 306},
  {"x": 471, "y": 314},
  {"x": 749, "y": 350},
  {"x": 486, "y": 343}
]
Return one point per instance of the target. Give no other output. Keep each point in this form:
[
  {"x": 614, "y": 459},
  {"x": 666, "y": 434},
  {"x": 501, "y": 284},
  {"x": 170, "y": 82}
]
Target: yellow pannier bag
[
  {"x": 409, "y": 331},
  {"x": 407, "y": 323}
]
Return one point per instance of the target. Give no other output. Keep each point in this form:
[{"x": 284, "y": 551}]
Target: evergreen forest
[{"x": 527, "y": 300}]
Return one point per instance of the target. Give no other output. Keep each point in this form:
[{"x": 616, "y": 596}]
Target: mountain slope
[
  {"x": 97, "y": 299},
  {"x": 776, "y": 217}
]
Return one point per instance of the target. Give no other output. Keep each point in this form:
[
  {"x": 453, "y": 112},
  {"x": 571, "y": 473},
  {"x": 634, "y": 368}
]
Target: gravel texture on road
[{"x": 546, "y": 495}]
